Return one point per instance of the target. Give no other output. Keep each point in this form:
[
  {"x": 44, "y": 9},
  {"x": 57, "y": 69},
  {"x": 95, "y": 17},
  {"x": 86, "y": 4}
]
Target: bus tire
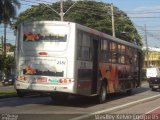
[
  {"x": 153, "y": 89},
  {"x": 102, "y": 94},
  {"x": 20, "y": 93},
  {"x": 129, "y": 92}
]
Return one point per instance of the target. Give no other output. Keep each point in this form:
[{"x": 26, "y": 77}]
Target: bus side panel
[
  {"x": 119, "y": 77},
  {"x": 84, "y": 75},
  {"x": 84, "y": 64}
]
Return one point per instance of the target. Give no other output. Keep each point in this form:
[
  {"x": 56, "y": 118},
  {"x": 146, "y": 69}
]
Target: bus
[{"x": 64, "y": 58}]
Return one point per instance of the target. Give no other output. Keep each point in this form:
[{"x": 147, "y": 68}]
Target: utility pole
[
  {"x": 147, "y": 56},
  {"x": 61, "y": 10},
  {"x": 113, "y": 25},
  {"x": 2, "y": 45},
  {"x": 61, "y": 13}
]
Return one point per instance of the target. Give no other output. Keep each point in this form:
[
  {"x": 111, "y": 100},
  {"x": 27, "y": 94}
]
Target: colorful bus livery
[
  {"x": 28, "y": 36},
  {"x": 65, "y": 58}
]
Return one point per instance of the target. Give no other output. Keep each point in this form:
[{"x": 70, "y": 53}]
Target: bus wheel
[
  {"x": 103, "y": 93},
  {"x": 153, "y": 89},
  {"x": 129, "y": 92},
  {"x": 20, "y": 93}
]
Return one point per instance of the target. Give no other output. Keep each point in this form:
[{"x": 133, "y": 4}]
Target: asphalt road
[{"x": 77, "y": 107}]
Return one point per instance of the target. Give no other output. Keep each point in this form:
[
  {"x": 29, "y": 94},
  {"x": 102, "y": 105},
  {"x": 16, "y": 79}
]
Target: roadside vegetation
[{"x": 7, "y": 93}]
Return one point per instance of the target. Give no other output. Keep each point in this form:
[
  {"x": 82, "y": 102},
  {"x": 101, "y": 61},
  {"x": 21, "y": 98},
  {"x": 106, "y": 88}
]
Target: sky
[{"x": 141, "y": 13}]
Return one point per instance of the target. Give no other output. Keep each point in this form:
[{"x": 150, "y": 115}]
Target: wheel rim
[{"x": 103, "y": 94}]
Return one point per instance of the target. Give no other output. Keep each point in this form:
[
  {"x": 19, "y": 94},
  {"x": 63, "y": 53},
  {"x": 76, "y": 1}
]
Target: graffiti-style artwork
[
  {"x": 29, "y": 36},
  {"x": 28, "y": 70},
  {"x": 44, "y": 66},
  {"x": 107, "y": 74},
  {"x": 110, "y": 72}
]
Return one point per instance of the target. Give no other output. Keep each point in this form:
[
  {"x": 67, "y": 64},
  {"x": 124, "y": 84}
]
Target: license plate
[
  {"x": 156, "y": 86},
  {"x": 42, "y": 79},
  {"x": 54, "y": 81}
]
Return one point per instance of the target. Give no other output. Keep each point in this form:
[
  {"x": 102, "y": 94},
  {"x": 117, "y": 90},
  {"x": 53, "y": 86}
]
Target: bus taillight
[
  {"x": 64, "y": 81},
  {"x": 21, "y": 78},
  {"x": 60, "y": 81}
]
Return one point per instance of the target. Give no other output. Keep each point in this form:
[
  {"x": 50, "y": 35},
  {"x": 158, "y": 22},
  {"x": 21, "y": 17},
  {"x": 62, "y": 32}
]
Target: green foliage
[
  {"x": 12, "y": 48},
  {"x": 6, "y": 63},
  {"x": 8, "y": 10},
  {"x": 96, "y": 15}
]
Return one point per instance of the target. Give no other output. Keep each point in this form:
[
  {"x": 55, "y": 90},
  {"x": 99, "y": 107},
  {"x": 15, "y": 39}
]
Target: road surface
[{"x": 36, "y": 107}]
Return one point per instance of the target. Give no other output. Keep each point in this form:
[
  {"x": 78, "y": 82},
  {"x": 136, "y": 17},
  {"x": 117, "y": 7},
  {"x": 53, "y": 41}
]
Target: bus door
[{"x": 95, "y": 66}]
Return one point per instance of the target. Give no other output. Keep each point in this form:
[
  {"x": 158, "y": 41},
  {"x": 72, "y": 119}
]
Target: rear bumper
[
  {"x": 154, "y": 82},
  {"x": 45, "y": 87},
  {"x": 155, "y": 86}
]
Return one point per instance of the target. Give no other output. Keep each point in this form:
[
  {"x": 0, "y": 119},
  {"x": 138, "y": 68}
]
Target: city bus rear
[{"x": 44, "y": 57}]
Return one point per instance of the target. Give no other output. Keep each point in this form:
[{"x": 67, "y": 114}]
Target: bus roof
[{"x": 109, "y": 37}]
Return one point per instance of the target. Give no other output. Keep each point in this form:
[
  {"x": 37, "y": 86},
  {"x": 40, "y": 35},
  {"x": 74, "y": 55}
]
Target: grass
[{"x": 7, "y": 93}]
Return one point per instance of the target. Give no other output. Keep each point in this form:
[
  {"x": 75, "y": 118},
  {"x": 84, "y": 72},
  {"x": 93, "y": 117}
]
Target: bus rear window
[{"x": 36, "y": 37}]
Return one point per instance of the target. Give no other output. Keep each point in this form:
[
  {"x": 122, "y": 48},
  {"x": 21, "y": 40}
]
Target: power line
[
  {"x": 44, "y": 1},
  {"x": 100, "y": 12},
  {"x": 143, "y": 11},
  {"x": 149, "y": 12},
  {"x": 145, "y": 17},
  {"x": 30, "y": 1},
  {"x": 148, "y": 33}
]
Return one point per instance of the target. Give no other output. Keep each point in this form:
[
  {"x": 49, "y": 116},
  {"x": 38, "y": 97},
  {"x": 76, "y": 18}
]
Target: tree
[
  {"x": 6, "y": 64},
  {"x": 96, "y": 15},
  {"x": 1, "y": 10},
  {"x": 7, "y": 14}
]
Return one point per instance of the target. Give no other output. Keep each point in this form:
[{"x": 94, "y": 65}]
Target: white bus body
[{"x": 66, "y": 57}]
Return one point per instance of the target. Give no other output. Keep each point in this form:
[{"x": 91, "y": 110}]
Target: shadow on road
[
  {"x": 84, "y": 102},
  {"x": 71, "y": 101}
]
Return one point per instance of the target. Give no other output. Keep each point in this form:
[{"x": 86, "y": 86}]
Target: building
[{"x": 153, "y": 57}]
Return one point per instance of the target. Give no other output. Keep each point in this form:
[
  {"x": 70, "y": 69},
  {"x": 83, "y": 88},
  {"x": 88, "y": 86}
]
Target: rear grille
[{"x": 155, "y": 80}]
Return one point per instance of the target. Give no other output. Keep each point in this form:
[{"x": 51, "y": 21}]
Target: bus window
[
  {"x": 79, "y": 42},
  {"x": 113, "y": 52},
  {"x": 84, "y": 46},
  {"x": 122, "y": 59},
  {"x": 104, "y": 51},
  {"x": 123, "y": 49}
]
